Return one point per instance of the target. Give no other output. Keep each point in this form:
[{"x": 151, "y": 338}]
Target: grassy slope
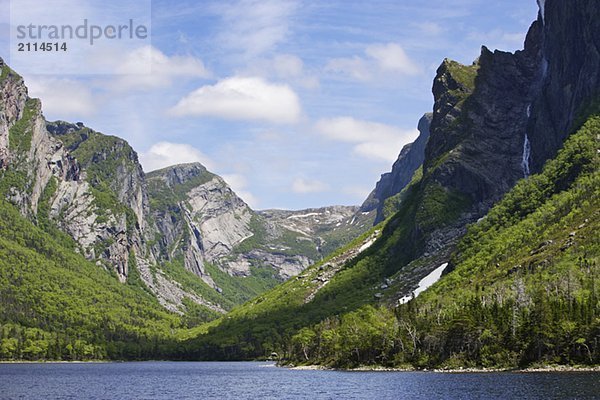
[
  {"x": 57, "y": 305},
  {"x": 523, "y": 290},
  {"x": 547, "y": 205}
]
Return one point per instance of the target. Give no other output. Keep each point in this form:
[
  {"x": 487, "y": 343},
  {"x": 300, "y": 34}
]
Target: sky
[{"x": 295, "y": 103}]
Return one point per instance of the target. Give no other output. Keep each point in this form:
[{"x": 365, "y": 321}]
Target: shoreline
[
  {"x": 548, "y": 368},
  {"x": 364, "y": 368}
]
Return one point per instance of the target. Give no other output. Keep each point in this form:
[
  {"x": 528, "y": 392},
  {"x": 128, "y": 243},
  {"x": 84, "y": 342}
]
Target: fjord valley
[{"x": 493, "y": 209}]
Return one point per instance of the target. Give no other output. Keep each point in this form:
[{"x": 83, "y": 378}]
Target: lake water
[{"x": 255, "y": 380}]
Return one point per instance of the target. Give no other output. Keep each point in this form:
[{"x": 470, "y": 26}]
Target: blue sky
[{"x": 295, "y": 103}]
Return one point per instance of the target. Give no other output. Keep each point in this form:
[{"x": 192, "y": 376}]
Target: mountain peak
[{"x": 181, "y": 173}]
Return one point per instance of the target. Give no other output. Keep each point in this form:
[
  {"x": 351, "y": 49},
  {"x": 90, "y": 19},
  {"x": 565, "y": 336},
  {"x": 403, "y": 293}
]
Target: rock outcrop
[
  {"x": 199, "y": 220},
  {"x": 391, "y": 183}
]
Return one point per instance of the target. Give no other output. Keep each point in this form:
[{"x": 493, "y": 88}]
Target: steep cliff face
[
  {"x": 570, "y": 74},
  {"x": 14, "y": 96},
  {"x": 200, "y": 220},
  {"x": 103, "y": 207},
  {"x": 68, "y": 178},
  {"x": 391, "y": 183},
  {"x": 197, "y": 216},
  {"x": 517, "y": 109}
]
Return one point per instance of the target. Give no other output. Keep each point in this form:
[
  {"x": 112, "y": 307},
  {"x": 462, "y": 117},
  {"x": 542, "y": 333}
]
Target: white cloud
[
  {"x": 371, "y": 139},
  {"x": 389, "y": 58},
  {"x": 392, "y": 57},
  {"x": 284, "y": 67},
  {"x": 303, "y": 186},
  {"x": 62, "y": 98},
  {"x": 429, "y": 28},
  {"x": 356, "y": 67},
  {"x": 243, "y": 99},
  {"x": 287, "y": 65},
  {"x": 291, "y": 67},
  {"x": 239, "y": 184},
  {"x": 149, "y": 68},
  {"x": 255, "y": 26},
  {"x": 165, "y": 154}
]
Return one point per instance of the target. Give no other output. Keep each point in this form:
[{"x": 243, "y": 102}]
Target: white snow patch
[
  {"x": 338, "y": 224},
  {"x": 367, "y": 245},
  {"x": 425, "y": 283},
  {"x": 297, "y": 230},
  {"x": 364, "y": 212},
  {"x": 528, "y": 110},
  {"x": 302, "y": 215},
  {"x": 353, "y": 219},
  {"x": 244, "y": 238}
]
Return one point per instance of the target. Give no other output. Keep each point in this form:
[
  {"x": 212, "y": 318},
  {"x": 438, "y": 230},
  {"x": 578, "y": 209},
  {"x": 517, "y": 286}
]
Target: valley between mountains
[{"x": 480, "y": 248}]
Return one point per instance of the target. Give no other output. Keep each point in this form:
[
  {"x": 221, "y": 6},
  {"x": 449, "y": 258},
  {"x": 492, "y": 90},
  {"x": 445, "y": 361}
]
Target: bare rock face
[
  {"x": 569, "y": 71},
  {"x": 499, "y": 120},
  {"x": 103, "y": 208},
  {"x": 318, "y": 231},
  {"x": 199, "y": 218},
  {"x": 411, "y": 157},
  {"x": 222, "y": 218},
  {"x": 14, "y": 95}
]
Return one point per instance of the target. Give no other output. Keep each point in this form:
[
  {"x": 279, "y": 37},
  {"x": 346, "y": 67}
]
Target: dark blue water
[{"x": 170, "y": 380}]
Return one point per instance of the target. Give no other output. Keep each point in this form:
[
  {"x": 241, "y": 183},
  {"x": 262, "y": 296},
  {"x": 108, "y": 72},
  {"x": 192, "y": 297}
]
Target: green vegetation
[
  {"x": 15, "y": 179},
  {"x": 19, "y": 136},
  {"x": 56, "y": 305},
  {"x": 440, "y": 206},
  {"x": 257, "y": 240},
  {"x": 523, "y": 289},
  {"x": 392, "y": 204},
  {"x": 163, "y": 197},
  {"x": 266, "y": 323},
  {"x": 8, "y": 72},
  {"x": 239, "y": 289},
  {"x": 464, "y": 75}
]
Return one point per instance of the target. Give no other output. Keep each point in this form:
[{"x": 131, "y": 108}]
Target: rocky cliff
[
  {"x": 568, "y": 77},
  {"x": 199, "y": 220},
  {"x": 391, "y": 183}
]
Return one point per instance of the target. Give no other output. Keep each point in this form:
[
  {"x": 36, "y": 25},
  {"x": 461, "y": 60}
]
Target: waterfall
[
  {"x": 526, "y": 156},
  {"x": 542, "y": 5},
  {"x": 526, "y": 148}
]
